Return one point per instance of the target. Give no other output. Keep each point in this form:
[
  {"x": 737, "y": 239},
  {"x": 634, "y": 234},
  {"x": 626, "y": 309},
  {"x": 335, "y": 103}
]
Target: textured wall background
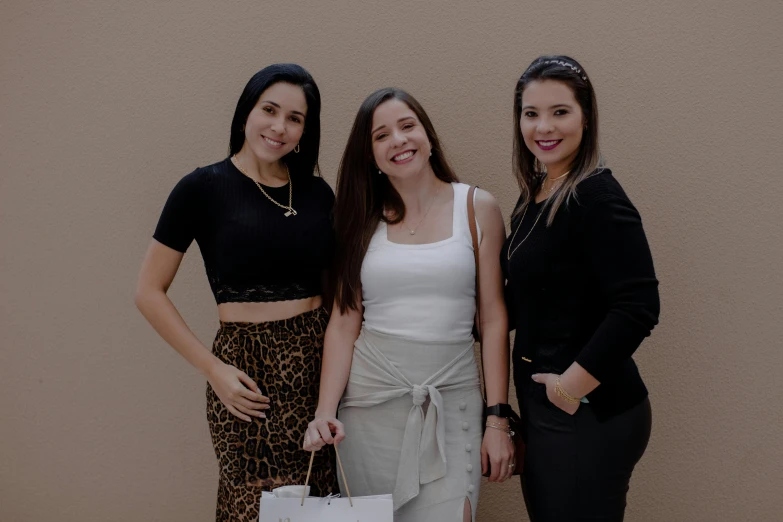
[{"x": 105, "y": 105}]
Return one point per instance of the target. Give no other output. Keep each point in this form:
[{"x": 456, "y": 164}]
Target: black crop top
[{"x": 252, "y": 252}]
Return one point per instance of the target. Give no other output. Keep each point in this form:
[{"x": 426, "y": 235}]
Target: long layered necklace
[
  {"x": 289, "y": 208},
  {"x": 524, "y": 213}
]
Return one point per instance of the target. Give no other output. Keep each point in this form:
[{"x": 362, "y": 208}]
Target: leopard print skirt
[{"x": 284, "y": 359}]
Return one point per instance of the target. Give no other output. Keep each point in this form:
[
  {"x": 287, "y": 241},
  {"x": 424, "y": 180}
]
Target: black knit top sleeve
[
  {"x": 252, "y": 251},
  {"x": 179, "y": 220},
  {"x": 617, "y": 254}
]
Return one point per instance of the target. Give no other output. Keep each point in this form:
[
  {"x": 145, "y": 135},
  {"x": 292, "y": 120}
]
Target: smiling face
[
  {"x": 400, "y": 144},
  {"x": 276, "y": 123},
  {"x": 552, "y": 124}
]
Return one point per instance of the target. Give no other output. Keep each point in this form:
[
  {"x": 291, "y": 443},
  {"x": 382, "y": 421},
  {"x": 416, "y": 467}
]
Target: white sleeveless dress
[{"x": 412, "y": 407}]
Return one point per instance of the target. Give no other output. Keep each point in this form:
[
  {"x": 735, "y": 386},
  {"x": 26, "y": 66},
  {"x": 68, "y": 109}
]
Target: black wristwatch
[{"x": 500, "y": 410}]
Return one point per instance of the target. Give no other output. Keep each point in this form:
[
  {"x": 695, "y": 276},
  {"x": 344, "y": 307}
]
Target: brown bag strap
[{"x": 474, "y": 237}]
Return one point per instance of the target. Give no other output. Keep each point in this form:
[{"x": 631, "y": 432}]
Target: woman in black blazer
[{"x": 582, "y": 294}]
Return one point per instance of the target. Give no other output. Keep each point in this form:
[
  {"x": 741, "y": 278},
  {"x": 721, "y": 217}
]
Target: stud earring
[{"x": 380, "y": 173}]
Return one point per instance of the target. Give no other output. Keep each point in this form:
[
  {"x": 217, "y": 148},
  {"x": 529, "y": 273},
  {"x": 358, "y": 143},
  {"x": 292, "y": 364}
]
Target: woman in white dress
[{"x": 398, "y": 352}]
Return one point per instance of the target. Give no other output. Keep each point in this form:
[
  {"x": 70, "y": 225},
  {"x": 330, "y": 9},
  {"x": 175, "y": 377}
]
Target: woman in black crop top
[
  {"x": 262, "y": 220},
  {"x": 582, "y": 294}
]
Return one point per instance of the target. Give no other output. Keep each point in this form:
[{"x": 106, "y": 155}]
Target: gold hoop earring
[{"x": 296, "y": 149}]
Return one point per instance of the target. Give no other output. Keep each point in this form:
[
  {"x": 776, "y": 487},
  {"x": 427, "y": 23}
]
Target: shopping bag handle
[{"x": 342, "y": 472}]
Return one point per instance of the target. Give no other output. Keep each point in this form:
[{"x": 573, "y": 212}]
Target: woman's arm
[
  {"x": 618, "y": 257},
  {"x": 494, "y": 320},
  {"x": 158, "y": 269},
  {"x": 497, "y": 450},
  {"x": 341, "y": 334},
  {"x": 234, "y": 388}
]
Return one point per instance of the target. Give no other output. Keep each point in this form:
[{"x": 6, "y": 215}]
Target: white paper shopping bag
[
  {"x": 316, "y": 509},
  {"x": 279, "y": 506}
]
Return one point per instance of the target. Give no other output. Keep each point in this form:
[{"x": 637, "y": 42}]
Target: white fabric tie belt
[{"x": 423, "y": 452}]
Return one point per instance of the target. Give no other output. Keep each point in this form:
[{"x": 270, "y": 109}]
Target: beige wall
[{"x": 104, "y": 105}]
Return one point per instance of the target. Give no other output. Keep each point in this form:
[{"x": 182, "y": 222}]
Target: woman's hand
[
  {"x": 549, "y": 380},
  {"x": 237, "y": 391},
  {"x": 319, "y": 432},
  {"x": 497, "y": 452}
]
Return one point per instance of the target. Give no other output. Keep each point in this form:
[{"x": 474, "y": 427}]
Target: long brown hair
[
  {"x": 527, "y": 169},
  {"x": 365, "y": 197}
]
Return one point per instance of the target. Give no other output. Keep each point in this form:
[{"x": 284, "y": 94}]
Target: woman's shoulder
[
  {"x": 601, "y": 199},
  {"x": 206, "y": 174},
  {"x": 321, "y": 186},
  {"x": 199, "y": 186},
  {"x": 317, "y": 189},
  {"x": 481, "y": 197},
  {"x": 598, "y": 187}
]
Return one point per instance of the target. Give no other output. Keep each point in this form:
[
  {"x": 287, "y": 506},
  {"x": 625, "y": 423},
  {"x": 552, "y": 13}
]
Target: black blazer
[{"x": 583, "y": 289}]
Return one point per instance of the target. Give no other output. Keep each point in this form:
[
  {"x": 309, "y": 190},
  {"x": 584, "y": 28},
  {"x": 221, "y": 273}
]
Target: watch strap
[{"x": 500, "y": 410}]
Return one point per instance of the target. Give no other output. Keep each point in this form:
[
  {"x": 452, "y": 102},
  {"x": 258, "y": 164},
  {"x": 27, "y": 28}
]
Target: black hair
[{"x": 305, "y": 162}]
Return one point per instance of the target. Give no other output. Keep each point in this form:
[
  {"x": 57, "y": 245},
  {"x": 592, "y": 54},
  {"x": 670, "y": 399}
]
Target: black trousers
[{"x": 577, "y": 468}]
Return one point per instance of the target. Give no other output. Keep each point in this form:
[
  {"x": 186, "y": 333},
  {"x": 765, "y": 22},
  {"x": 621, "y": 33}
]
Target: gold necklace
[
  {"x": 511, "y": 252},
  {"x": 547, "y": 192},
  {"x": 543, "y": 182},
  {"x": 289, "y": 208},
  {"x": 413, "y": 230}
]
